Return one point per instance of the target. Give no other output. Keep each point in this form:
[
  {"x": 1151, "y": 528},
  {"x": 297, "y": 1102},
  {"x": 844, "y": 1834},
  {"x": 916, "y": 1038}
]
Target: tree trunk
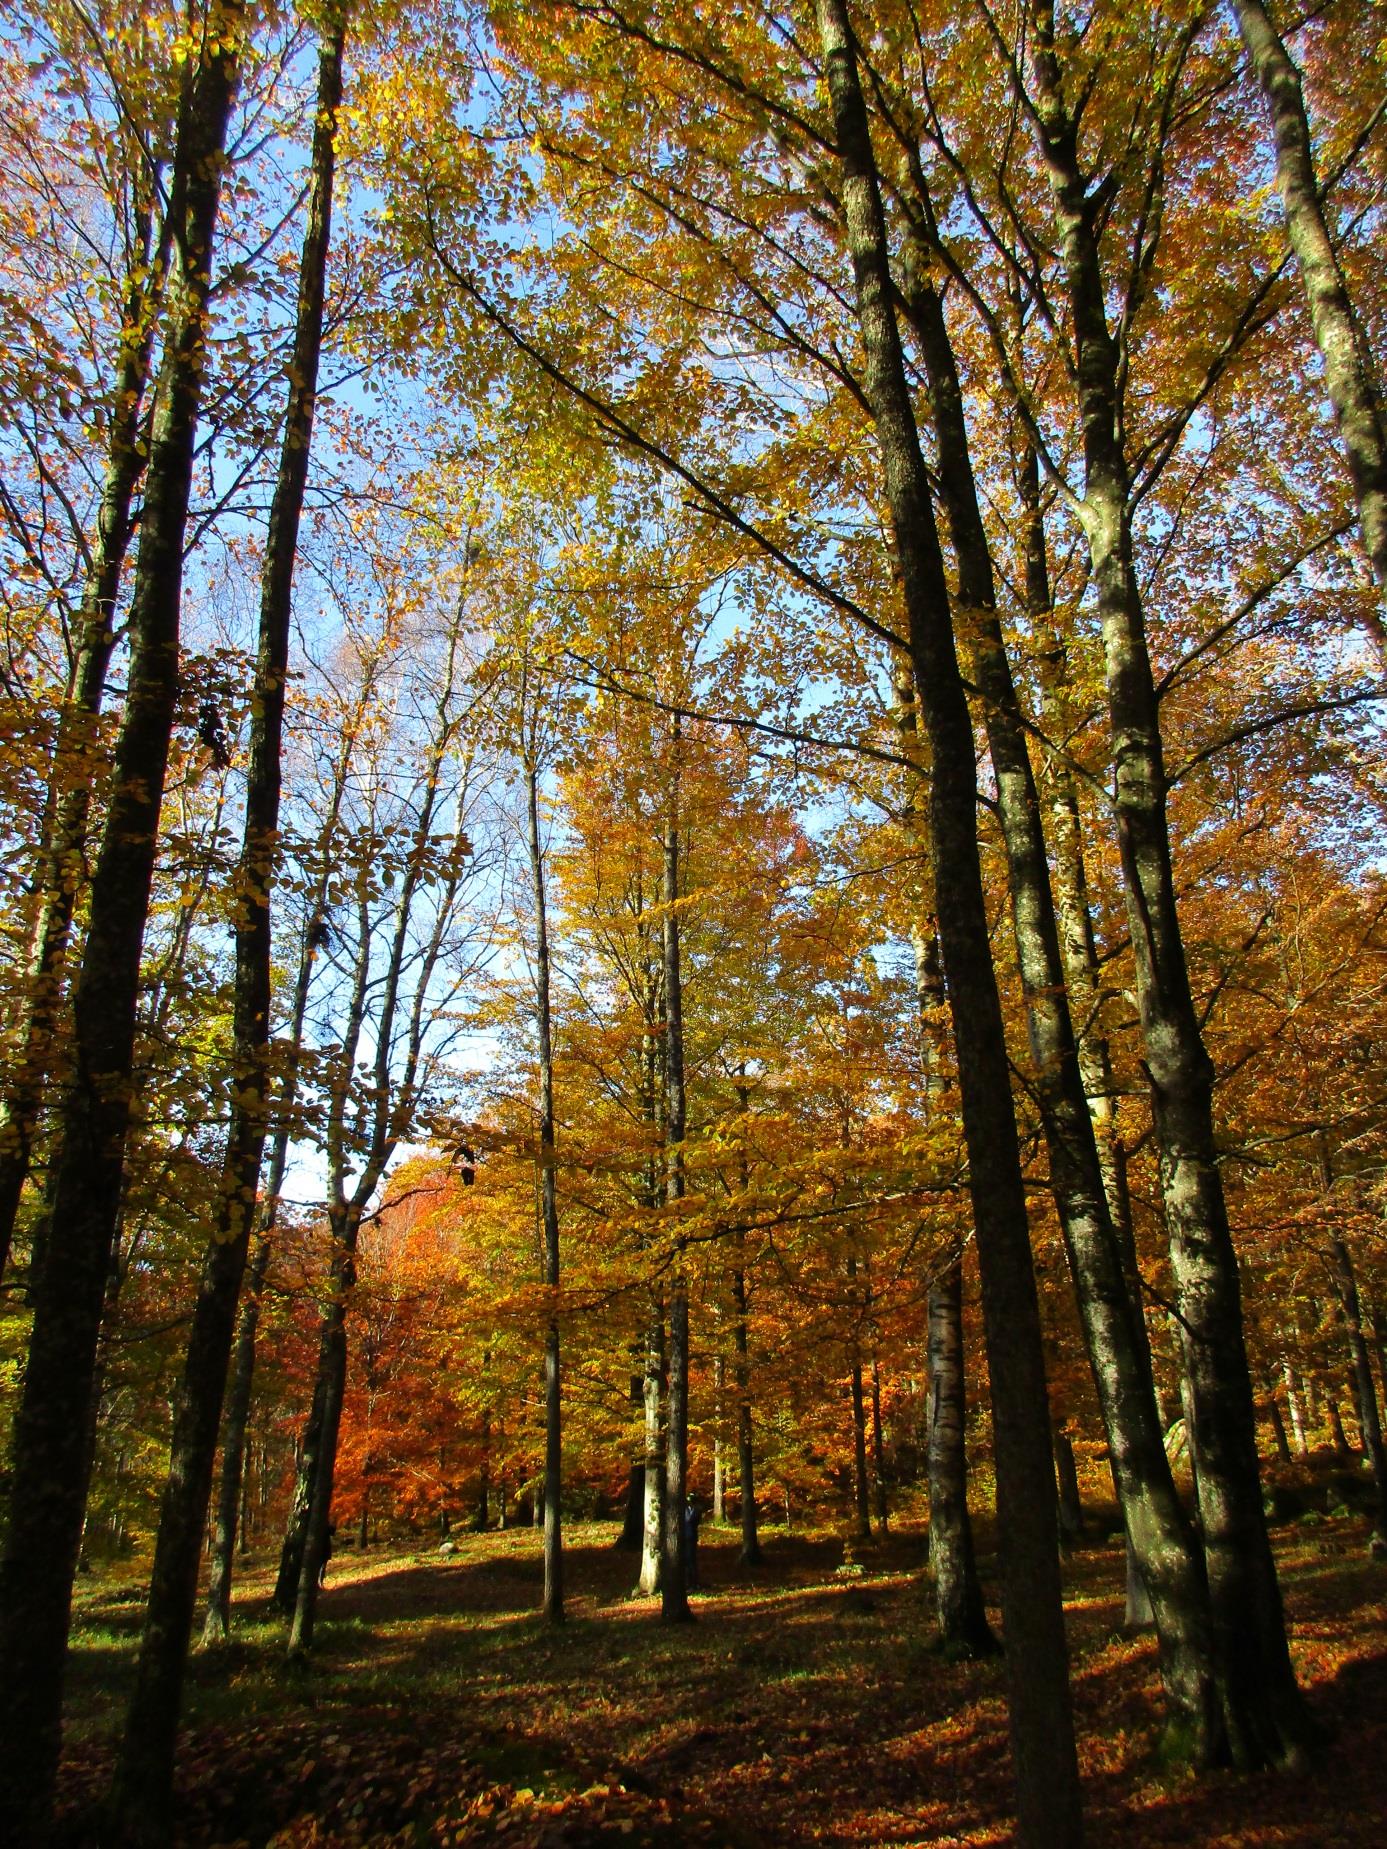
[
  {"x": 629, "y": 1537},
  {"x": 1348, "y": 370},
  {"x": 962, "y": 1622},
  {"x": 48, "y": 1480},
  {"x": 1294, "y": 1408},
  {"x": 1266, "y": 1717},
  {"x": 143, "y": 1787},
  {"x": 746, "y": 1451},
  {"x": 329, "y": 1393},
  {"x": 1370, "y": 1426},
  {"x": 862, "y": 1496},
  {"x": 62, "y": 847},
  {"x": 549, "y": 1213},
  {"x": 719, "y": 1447},
  {"x": 653, "y": 1485},
  {"x": 878, "y": 1451},
  {"x": 1071, "y": 1511},
  {"x": 674, "y": 1574},
  {"x": 1041, "y": 1715},
  {"x": 1105, "y": 1276}
]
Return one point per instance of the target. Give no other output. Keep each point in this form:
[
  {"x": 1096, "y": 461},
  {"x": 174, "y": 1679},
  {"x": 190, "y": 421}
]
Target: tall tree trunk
[
  {"x": 746, "y": 1450},
  {"x": 50, "y": 1464},
  {"x": 75, "y": 751},
  {"x": 1349, "y": 379},
  {"x": 549, "y": 1213},
  {"x": 719, "y": 1443},
  {"x": 1041, "y": 1715},
  {"x": 674, "y": 1575},
  {"x": 143, "y": 1787},
  {"x": 1266, "y": 1718},
  {"x": 1107, "y": 1289}
]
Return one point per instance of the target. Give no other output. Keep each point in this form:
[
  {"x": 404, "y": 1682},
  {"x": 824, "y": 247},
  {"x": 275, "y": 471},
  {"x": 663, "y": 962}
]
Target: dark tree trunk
[
  {"x": 1071, "y": 1510},
  {"x": 329, "y": 1393},
  {"x": 879, "y": 1451},
  {"x": 1266, "y": 1718},
  {"x": 1370, "y": 1426},
  {"x": 633, "y": 1521},
  {"x": 230, "y": 1506},
  {"x": 48, "y": 1480},
  {"x": 861, "y": 1488},
  {"x": 1041, "y": 1714},
  {"x": 143, "y": 1787},
  {"x": 674, "y": 1564},
  {"x": 62, "y": 848},
  {"x": 962, "y": 1622},
  {"x": 746, "y": 1452}
]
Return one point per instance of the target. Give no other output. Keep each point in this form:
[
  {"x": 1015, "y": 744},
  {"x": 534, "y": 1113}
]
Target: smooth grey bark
[
  {"x": 1349, "y": 375},
  {"x": 51, "y": 1463},
  {"x": 674, "y": 1564},
  {"x": 653, "y": 1474},
  {"x": 549, "y": 1216},
  {"x": 1041, "y": 1715},
  {"x": 142, "y": 1792},
  {"x": 1265, "y": 1715},
  {"x": 1102, "y": 1262}
]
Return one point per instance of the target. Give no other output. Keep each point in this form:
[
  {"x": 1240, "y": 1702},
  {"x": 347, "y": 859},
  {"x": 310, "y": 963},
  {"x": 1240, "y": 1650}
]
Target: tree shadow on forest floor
[{"x": 801, "y": 1705}]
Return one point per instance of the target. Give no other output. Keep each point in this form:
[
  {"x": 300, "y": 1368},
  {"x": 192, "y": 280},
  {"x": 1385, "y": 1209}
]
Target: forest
[{"x": 693, "y": 922}]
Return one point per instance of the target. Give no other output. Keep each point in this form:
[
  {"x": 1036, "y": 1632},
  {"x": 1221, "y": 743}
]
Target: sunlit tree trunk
[
  {"x": 1349, "y": 377},
  {"x": 1266, "y": 1718}
]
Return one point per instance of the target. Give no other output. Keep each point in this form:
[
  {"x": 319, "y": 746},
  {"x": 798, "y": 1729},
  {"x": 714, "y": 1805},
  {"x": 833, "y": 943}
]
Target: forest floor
[{"x": 803, "y": 1706}]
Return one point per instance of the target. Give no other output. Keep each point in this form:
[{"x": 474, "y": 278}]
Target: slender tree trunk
[
  {"x": 1266, "y": 1717},
  {"x": 746, "y": 1451},
  {"x": 332, "y": 1379},
  {"x": 719, "y": 1447},
  {"x": 549, "y": 1212},
  {"x": 143, "y": 1788},
  {"x": 879, "y": 1451},
  {"x": 48, "y": 1480},
  {"x": 862, "y": 1496},
  {"x": 76, "y": 748},
  {"x": 1071, "y": 1511},
  {"x": 1370, "y": 1426},
  {"x": 962, "y": 1622},
  {"x": 1278, "y": 1429},
  {"x": 1348, "y": 371},
  {"x": 1294, "y": 1408},
  {"x": 230, "y": 1513},
  {"x": 674, "y": 1577}
]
